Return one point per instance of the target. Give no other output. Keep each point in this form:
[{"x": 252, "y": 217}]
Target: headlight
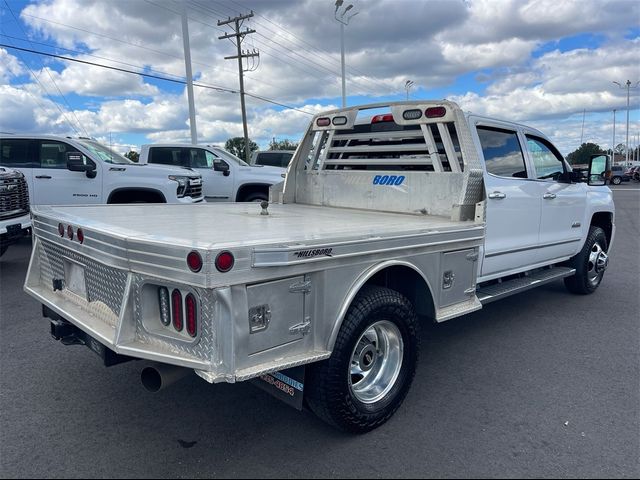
[{"x": 183, "y": 183}]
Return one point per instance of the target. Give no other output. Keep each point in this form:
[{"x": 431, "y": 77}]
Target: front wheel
[
  {"x": 590, "y": 264},
  {"x": 616, "y": 180},
  {"x": 372, "y": 365}
]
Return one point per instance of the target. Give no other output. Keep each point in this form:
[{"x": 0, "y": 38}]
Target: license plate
[
  {"x": 14, "y": 230},
  {"x": 74, "y": 278}
]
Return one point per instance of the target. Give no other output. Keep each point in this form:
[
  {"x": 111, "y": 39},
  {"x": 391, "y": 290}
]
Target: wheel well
[
  {"x": 137, "y": 195},
  {"x": 604, "y": 220},
  {"x": 249, "y": 189},
  {"x": 409, "y": 283}
]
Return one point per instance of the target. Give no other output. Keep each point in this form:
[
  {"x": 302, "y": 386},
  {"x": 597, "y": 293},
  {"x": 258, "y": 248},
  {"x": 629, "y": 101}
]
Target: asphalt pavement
[{"x": 541, "y": 384}]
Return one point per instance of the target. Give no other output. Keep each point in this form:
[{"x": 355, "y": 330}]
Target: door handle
[
  {"x": 497, "y": 195},
  {"x": 43, "y": 176},
  {"x": 549, "y": 196}
]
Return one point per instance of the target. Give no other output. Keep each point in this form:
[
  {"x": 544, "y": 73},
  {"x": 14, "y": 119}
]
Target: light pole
[
  {"x": 613, "y": 146},
  {"x": 628, "y": 85},
  {"x": 407, "y": 85},
  {"x": 343, "y": 19}
]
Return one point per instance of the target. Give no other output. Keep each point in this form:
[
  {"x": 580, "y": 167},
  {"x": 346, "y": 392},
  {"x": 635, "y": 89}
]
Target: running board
[{"x": 491, "y": 293}]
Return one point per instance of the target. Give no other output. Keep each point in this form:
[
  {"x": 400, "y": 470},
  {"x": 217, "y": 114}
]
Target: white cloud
[
  {"x": 10, "y": 66},
  {"x": 432, "y": 42}
]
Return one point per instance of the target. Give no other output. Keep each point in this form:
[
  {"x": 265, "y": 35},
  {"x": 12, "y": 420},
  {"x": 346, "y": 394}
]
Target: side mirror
[
  {"x": 221, "y": 167},
  {"x": 599, "y": 169},
  {"x": 75, "y": 163}
]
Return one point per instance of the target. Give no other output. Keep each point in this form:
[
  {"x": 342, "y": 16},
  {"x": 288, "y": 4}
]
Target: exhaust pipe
[{"x": 159, "y": 376}]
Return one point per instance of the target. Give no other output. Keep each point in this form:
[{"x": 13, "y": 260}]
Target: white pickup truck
[
  {"x": 391, "y": 215},
  {"x": 225, "y": 177},
  {"x": 79, "y": 171},
  {"x": 15, "y": 220}
]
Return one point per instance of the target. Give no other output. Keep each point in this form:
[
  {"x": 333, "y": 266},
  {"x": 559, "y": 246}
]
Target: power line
[
  {"x": 157, "y": 77},
  {"x": 315, "y": 65},
  {"x": 51, "y": 77}
]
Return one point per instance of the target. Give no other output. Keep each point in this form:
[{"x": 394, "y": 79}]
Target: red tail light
[
  {"x": 176, "y": 310},
  {"x": 80, "y": 234},
  {"x": 61, "y": 229},
  {"x": 224, "y": 261},
  {"x": 323, "y": 122},
  {"x": 192, "y": 315},
  {"x": 194, "y": 260},
  {"x": 435, "y": 112},
  {"x": 382, "y": 118},
  {"x": 70, "y": 232}
]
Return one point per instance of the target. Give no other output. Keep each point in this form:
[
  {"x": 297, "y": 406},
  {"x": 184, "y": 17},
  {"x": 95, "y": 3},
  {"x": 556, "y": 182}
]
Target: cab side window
[
  {"x": 211, "y": 158},
  {"x": 165, "y": 156},
  {"x": 16, "y": 153},
  {"x": 546, "y": 159},
  {"x": 198, "y": 158},
  {"x": 53, "y": 154},
  {"x": 503, "y": 155}
]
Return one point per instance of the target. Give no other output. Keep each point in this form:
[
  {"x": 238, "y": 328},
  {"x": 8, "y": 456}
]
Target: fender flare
[{"x": 357, "y": 286}]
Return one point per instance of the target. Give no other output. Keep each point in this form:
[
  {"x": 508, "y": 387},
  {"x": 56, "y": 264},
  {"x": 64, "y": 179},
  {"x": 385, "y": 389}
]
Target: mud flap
[{"x": 286, "y": 385}]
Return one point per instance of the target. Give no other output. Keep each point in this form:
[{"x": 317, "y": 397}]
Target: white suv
[
  {"x": 14, "y": 207},
  {"x": 67, "y": 171}
]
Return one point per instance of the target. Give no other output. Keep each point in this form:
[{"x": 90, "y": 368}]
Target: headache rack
[
  {"x": 422, "y": 151},
  {"x": 431, "y": 147}
]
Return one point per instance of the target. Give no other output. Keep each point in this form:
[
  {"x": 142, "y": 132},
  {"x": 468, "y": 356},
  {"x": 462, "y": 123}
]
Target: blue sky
[{"x": 542, "y": 62}]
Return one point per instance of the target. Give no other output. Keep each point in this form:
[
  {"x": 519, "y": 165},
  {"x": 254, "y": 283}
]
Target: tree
[
  {"x": 282, "y": 145},
  {"x": 133, "y": 156},
  {"x": 583, "y": 154},
  {"x": 236, "y": 146}
]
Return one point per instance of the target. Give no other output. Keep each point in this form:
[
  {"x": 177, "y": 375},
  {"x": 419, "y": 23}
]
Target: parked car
[
  {"x": 80, "y": 171},
  {"x": 634, "y": 173},
  {"x": 225, "y": 177},
  {"x": 272, "y": 158},
  {"x": 15, "y": 221},
  {"x": 618, "y": 175}
]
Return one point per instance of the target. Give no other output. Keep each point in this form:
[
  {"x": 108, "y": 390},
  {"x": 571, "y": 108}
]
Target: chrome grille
[
  {"x": 194, "y": 191},
  {"x": 104, "y": 284},
  {"x": 14, "y": 196}
]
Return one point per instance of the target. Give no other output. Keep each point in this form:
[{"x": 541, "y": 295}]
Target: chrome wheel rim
[
  {"x": 376, "y": 362},
  {"x": 598, "y": 263}
]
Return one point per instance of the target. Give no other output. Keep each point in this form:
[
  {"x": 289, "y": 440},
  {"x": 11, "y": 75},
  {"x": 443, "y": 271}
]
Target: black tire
[
  {"x": 589, "y": 271},
  {"x": 257, "y": 197},
  {"x": 329, "y": 384},
  {"x": 616, "y": 180}
]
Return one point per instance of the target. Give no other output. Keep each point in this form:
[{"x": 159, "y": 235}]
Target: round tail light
[
  {"x": 194, "y": 261},
  {"x": 224, "y": 261}
]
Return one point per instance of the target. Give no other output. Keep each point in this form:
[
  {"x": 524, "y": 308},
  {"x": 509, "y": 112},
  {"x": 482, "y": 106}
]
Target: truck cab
[
  {"x": 226, "y": 178},
  {"x": 70, "y": 171}
]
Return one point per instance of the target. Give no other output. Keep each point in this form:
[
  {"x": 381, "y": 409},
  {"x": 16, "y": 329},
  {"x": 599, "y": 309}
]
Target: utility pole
[
  {"x": 239, "y": 36},
  {"x": 584, "y": 112}
]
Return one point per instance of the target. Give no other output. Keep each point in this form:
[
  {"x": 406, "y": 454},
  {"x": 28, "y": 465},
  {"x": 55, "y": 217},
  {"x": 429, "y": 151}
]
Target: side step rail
[{"x": 491, "y": 293}]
